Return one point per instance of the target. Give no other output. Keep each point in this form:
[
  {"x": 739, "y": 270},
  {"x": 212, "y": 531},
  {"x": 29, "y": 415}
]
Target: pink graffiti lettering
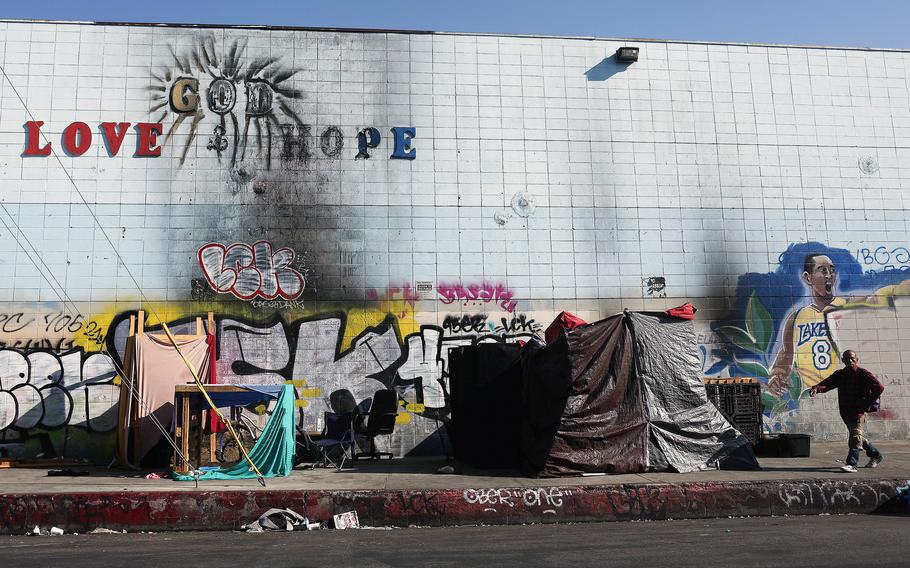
[
  {"x": 405, "y": 293},
  {"x": 477, "y": 293},
  {"x": 249, "y": 271}
]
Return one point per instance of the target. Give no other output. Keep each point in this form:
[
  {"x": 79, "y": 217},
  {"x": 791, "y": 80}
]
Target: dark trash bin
[{"x": 795, "y": 445}]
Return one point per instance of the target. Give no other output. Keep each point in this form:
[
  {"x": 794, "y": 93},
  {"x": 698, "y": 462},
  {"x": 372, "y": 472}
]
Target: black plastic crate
[
  {"x": 739, "y": 400},
  {"x": 752, "y": 432}
]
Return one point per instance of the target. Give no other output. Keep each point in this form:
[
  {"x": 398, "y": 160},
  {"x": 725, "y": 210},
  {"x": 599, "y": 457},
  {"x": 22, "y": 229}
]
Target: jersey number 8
[{"x": 821, "y": 354}]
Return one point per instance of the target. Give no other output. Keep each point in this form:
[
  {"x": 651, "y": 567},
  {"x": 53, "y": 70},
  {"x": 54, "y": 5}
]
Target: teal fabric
[{"x": 273, "y": 452}]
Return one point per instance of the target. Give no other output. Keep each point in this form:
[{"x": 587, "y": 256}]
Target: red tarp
[
  {"x": 685, "y": 311},
  {"x": 563, "y": 321}
]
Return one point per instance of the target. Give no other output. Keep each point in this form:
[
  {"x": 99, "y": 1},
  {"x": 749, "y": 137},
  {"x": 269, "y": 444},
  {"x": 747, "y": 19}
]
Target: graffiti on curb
[
  {"x": 549, "y": 497},
  {"x": 830, "y": 495}
]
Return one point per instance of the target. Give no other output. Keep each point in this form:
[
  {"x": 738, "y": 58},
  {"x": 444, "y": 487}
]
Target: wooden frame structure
[{"x": 128, "y": 434}]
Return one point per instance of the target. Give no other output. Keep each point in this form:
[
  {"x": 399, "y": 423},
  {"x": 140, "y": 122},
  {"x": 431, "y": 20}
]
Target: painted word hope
[
  {"x": 77, "y": 138},
  {"x": 248, "y": 271}
]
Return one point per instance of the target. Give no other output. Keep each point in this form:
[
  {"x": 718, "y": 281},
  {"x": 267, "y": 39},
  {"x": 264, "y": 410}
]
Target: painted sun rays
[{"x": 241, "y": 90}]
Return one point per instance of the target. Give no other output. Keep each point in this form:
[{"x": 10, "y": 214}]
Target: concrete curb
[{"x": 227, "y": 510}]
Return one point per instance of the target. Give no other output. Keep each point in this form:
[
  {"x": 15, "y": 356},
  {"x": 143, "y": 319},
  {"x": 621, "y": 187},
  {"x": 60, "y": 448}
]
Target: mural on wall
[
  {"x": 788, "y": 329},
  {"x": 312, "y": 352},
  {"x": 57, "y": 403},
  {"x": 250, "y": 99},
  {"x": 240, "y": 90},
  {"x": 65, "y": 403},
  {"x": 784, "y": 331}
]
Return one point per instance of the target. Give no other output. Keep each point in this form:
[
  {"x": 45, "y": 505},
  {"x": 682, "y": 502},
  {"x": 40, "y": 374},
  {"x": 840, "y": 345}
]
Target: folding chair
[{"x": 336, "y": 441}]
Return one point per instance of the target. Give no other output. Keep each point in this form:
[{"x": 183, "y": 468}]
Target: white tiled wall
[{"x": 698, "y": 163}]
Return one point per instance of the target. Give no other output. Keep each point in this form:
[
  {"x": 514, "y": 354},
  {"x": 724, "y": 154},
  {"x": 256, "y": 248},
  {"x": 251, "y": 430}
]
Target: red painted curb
[{"x": 226, "y": 510}]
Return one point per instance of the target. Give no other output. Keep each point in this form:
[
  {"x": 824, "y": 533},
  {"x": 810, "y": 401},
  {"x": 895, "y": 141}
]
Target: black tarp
[
  {"x": 623, "y": 395},
  {"x": 487, "y": 408}
]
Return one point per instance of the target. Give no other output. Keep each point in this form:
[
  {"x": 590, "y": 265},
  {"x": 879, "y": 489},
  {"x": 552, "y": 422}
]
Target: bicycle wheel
[{"x": 228, "y": 452}]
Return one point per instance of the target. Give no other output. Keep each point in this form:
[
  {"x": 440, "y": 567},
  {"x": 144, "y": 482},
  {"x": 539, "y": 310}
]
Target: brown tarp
[{"x": 623, "y": 395}]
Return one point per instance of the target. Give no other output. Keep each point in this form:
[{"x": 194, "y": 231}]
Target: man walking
[{"x": 857, "y": 390}]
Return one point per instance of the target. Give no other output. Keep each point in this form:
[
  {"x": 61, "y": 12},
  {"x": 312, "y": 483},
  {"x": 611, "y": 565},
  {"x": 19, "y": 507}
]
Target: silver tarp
[{"x": 687, "y": 428}]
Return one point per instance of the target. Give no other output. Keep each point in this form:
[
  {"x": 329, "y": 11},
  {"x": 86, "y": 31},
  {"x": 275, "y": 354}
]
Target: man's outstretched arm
[
  {"x": 779, "y": 380},
  {"x": 827, "y": 384}
]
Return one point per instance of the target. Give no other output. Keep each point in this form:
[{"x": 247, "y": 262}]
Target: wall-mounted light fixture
[{"x": 627, "y": 54}]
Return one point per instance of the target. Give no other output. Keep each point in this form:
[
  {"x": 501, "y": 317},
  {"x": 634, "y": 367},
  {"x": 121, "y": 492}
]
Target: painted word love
[
  {"x": 484, "y": 292},
  {"x": 248, "y": 271},
  {"x": 77, "y": 138}
]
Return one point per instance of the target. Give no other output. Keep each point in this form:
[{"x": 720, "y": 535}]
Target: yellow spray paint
[{"x": 361, "y": 319}]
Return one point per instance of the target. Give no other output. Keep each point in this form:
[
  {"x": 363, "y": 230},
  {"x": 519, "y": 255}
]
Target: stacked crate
[{"x": 739, "y": 400}]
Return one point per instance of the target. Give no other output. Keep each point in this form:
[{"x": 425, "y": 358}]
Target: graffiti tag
[
  {"x": 39, "y": 389},
  {"x": 247, "y": 271},
  {"x": 883, "y": 258},
  {"x": 480, "y": 324},
  {"x": 477, "y": 293},
  {"x": 550, "y": 497}
]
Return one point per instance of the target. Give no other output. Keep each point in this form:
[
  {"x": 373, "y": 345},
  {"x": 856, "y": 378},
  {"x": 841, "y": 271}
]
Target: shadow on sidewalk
[
  {"x": 422, "y": 466},
  {"x": 835, "y": 469}
]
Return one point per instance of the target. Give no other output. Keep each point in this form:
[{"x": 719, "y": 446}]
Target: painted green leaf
[
  {"x": 767, "y": 402},
  {"x": 778, "y": 407},
  {"x": 796, "y": 386},
  {"x": 758, "y": 322},
  {"x": 739, "y": 337},
  {"x": 753, "y": 368}
]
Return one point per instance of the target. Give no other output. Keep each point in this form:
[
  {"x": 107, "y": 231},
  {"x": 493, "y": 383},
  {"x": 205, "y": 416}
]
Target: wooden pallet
[{"x": 6, "y": 463}]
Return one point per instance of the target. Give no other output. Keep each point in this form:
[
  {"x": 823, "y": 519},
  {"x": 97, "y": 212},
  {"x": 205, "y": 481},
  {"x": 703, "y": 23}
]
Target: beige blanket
[{"x": 157, "y": 368}]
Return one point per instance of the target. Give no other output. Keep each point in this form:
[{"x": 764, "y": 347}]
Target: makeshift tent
[
  {"x": 153, "y": 367},
  {"x": 487, "y": 409},
  {"x": 273, "y": 452},
  {"x": 623, "y": 395}
]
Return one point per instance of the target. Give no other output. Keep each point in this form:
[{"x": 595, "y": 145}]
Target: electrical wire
[
  {"x": 107, "y": 237},
  {"x": 91, "y": 211},
  {"x": 68, "y": 303}
]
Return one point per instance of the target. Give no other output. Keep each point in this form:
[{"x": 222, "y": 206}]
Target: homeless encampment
[{"x": 620, "y": 395}]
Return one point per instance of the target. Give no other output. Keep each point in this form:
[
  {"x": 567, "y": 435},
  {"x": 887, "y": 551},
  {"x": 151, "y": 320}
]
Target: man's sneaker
[
  {"x": 848, "y": 468},
  {"x": 873, "y": 462}
]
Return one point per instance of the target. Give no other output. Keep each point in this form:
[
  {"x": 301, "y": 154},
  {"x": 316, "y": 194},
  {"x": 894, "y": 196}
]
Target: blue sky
[{"x": 871, "y": 23}]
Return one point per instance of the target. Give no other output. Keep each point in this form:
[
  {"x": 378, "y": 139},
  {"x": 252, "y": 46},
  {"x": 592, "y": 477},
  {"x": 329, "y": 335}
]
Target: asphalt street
[{"x": 824, "y": 541}]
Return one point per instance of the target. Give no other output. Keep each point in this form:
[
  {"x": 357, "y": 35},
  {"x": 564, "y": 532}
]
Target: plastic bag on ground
[{"x": 276, "y": 520}]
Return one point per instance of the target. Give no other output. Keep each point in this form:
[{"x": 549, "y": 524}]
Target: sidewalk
[{"x": 407, "y": 492}]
